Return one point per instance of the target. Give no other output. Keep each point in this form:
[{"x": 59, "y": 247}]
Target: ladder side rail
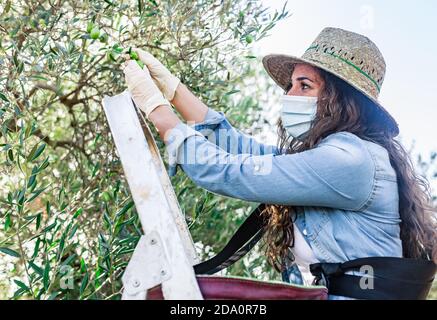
[{"x": 151, "y": 203}]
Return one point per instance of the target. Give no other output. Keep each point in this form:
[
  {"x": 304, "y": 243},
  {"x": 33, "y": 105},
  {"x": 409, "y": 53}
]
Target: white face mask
[{"x": 297, "y": 114}]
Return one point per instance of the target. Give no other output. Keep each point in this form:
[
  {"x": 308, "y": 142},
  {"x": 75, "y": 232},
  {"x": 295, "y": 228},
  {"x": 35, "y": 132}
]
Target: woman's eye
[{"x": 305, "y": 86}]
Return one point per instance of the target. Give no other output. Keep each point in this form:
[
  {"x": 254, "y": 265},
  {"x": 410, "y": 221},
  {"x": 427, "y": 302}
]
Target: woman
[{"x": 337, "y": 187}]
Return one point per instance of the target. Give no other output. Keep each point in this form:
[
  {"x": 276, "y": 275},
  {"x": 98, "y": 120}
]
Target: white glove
[
  {"x": 144, "y": 91},
  {"x": 163, "y": 78}
]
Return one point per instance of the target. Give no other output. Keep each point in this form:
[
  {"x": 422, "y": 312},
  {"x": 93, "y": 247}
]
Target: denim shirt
[{"x": 344, "y": 189}]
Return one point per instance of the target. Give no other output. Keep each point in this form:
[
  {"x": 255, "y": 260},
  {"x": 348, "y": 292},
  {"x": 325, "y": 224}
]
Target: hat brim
[{"x": 282, "y": 77}]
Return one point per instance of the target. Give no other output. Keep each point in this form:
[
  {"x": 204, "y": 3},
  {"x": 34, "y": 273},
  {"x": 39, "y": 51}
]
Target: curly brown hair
[{"x": 343, "y": 108}]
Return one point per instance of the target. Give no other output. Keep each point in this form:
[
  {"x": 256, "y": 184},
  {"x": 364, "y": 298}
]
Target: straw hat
[{"x": 351, "y": 57}]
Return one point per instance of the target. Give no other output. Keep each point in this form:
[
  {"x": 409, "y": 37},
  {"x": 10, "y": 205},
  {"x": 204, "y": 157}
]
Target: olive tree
[{"x": 68, "y": 222}]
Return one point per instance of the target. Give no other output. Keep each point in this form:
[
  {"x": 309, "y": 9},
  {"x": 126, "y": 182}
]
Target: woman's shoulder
[
  {"x": 349, "y": 144},
  {"x": 343, "y": 137}
]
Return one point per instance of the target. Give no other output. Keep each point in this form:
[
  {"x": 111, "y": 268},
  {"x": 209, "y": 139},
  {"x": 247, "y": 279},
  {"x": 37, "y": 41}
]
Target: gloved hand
[
  {"x": 163, "y": 78},
  {"x": 144, "y": 91}
]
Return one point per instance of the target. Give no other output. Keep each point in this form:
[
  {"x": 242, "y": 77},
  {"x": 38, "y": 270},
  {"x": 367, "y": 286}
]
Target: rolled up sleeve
[
  {"x": 219, "y": 131},
  {"x": 176, "y": 138}
]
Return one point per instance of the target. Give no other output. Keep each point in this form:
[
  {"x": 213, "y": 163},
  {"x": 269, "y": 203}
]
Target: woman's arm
[
  {"x": 212, "y": 124},
  {"x": 188, "y": 105},
  {"x": 317, "y": 177},
  {"x": 164, "y": 119}
]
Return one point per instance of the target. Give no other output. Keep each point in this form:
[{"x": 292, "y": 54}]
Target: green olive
[
  {"x": 134, "y": 55},
  {"x": 116, "y": 48},
  {"x": 103, "y": 38},
  {"x": 89, "y": 27},
  {"x": 249, "y": 39},
  {"x": 95, "y": 33}
]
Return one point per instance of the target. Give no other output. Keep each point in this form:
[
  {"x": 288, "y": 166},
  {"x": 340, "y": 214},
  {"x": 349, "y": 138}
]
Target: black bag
[{"x": 390, "y": 277}]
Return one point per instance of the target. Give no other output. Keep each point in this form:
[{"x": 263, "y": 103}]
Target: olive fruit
[
  {"x": 95, "y": 33},
  {"x": 89, "y": 27},
  {"x": 134, "y": 55},
  {"x": 103, "y": 38}
]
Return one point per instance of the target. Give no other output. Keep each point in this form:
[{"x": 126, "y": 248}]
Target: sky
[{"x": 406, "y": 34}]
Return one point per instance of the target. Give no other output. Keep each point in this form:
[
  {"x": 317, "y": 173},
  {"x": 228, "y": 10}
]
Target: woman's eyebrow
[{"x": 304, "y": 78}]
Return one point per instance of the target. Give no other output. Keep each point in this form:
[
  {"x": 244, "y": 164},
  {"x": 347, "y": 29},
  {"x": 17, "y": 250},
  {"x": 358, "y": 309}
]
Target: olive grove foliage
[{"x": 68, "y": 225}]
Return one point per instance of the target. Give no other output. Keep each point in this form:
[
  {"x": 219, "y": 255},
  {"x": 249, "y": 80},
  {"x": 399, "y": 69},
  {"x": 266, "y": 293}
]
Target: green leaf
[
  {"x": 50, "y": 227},
  {"x": 102, "y": 241},
  {"x": 37, "y": 269},
  {"x": 19, "y": 293},
  {"x": 48, "y": 208},
  {"x": 7, "y": 222},
  {"x": 123, "y": 210},
  {"x": 84, "y": 283},
  {"x": 77, "y": 213},
  {"x": 36, "y": 152},
  {"x": 68, "y": 260},
  {"x": 31, "y": 218},
  {"x": 28, "y": 131},
  {"x": 11, "y": 155},
  {"x": 112, "y": 56},
  {"x": 20, "y": 67},
  {"x": 127, "y": 222},
  {"x": 46, "y": 275},
  {"x": 61, "y": 247},
  {"x": 231, "y": 92},
  {"x": 73, "y": 231},
  {"x": 10, "y": 252},
  {"x": 107, "y": 218},
  {"x": 3, "y": 97},
  {"x": 36, "y": 249},
  {"x": 32, "y": 180},
  {"x": 97, "y": 275},
  {"x": 38, "y": 77},
  {"x": 38, "y": 221},
  {"x": 36, "y": 193},
  {"x": 20, "y": 196},
  {"x": 61, "y": 195},
  {"x": 44, "y": 164},
  {"x": 22, "y": 286},
  {"x": 83, "y": 267}
]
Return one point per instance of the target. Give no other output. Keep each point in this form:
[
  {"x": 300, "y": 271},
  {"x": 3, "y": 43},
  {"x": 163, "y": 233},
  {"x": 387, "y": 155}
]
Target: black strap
[
  {"x": 249, "y": 233},
  {"x": 386, "y": 278},
  {"x": 393, "y": 278}
]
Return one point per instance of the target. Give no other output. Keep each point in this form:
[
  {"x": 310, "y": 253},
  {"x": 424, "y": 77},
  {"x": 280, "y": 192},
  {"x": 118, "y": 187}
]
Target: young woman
[{"x": 338, "y": 186}]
